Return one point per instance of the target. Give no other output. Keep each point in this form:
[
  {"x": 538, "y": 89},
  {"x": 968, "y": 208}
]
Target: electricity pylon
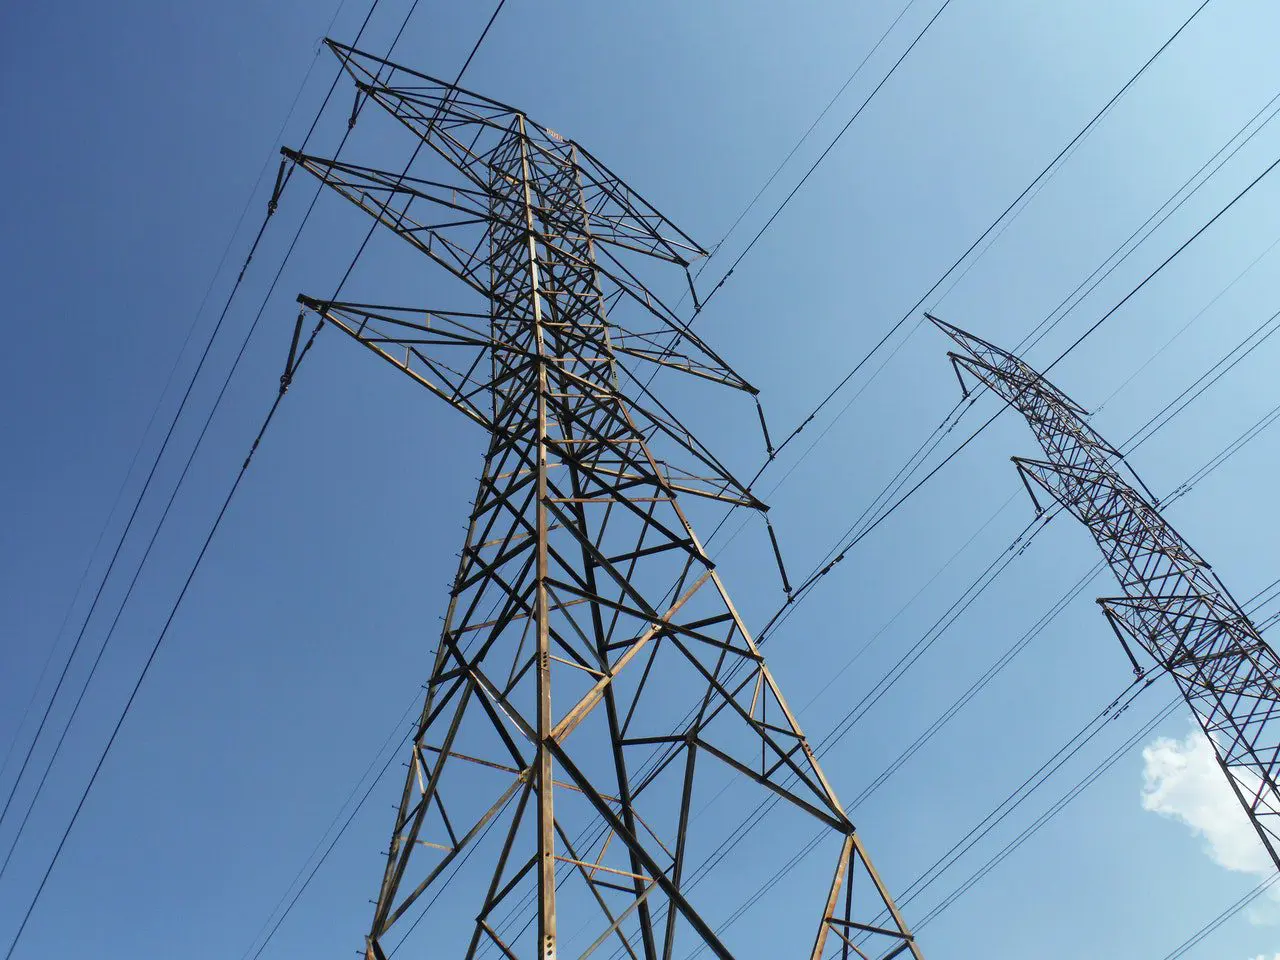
[
  {"x": 1174, "y": 607},
  {"x": 554, "y": 748}
]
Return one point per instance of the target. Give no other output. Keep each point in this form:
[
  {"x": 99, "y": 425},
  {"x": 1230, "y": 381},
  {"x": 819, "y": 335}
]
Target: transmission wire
[
  {"x": 1083, "y": 132},
  {"x": 822, "y": 156},
  {"x": 1180, "y": 491},
  {"x": 1055, "y": 808},
  {"x": 155, "y": 649},
  {"x": 803, "y": 137},
  {"x": 293, "y": 902},
  {"x": 754, "y": 818},
  {"x": 1104, "y": 270},
  {"x": 173, "y": 370},
  {"x": 1212, "y": 926},
  {"x": 244, "y": 343},
  {"x": 150, "y": 476},
  {"x": 807, "y": 585}
]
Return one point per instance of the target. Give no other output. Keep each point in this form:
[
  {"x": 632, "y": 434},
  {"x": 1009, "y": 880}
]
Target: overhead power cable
[
  {"x": 146, "y": 486},
  {"x": 1061, "y": 803},
  {"x": 756, "y": 816},
  {"x": 1020, "y": 543},
  {"x": 1054, "y": 809},
  {"x": 698, "y": 306},
  {"x": 981, "y": 583},
  {"x": 668, "y": 350},
  {"x": 1189, "y": 188},
  {"x": 806, "y": 585},
  {"x": 342, "y": 830},
  {"x": 823, "y": 156},
  {"x": 751, "y": 204},
  {"x": 226, "y": 381},
  {"x": 1213, "y": 925},
  {"x": 1161, "y": 215},
  {"x": 392, "y": 741},
  {"x": 293, "y": 902},
  {"x": 988, "y": 822},
  {"x": 164, "y": 632},
  {"x": 164, "y": 391},
  {"x": 1047, "y": 171},
  {"x": 1154, "y": 273}
]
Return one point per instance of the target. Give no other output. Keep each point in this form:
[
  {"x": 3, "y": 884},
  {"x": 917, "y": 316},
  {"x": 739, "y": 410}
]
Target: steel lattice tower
[
  {"x": 1174, "y": 606},
  {"x": 592, "y": 669}
]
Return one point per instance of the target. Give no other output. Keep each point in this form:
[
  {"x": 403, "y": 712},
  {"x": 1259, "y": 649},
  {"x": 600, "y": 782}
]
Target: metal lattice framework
[
  {"x": 592, "y": 670},
  {"x": 1174, "y": 606}
]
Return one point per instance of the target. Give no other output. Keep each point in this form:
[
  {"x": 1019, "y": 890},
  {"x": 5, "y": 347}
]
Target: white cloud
[{"x": 1182, "y": 781}]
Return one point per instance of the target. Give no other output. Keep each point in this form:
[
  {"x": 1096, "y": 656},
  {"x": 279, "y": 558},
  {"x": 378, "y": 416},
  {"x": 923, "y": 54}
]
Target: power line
[
  {"x": 884, "y": 515},
  {"x": 155, "y": 649},
  {"x": 342, "y": 830},
  {"x": 822, "y": 156},
  {"x": 1156, "y": 272},
  {"x": 805, "y": 136},
  {"x": 146, "y": 486},
  {"x": 325, "y": 856},
  {"x": 978, "y": 831},
  {"x": 173, "y": 370},
  {"x": 698, "y": 306},
  {"x": 1186, "y": 326},
  {"x": 1056, "y": 808},
  {"x": 337, "y": 817},
  {"x": 1024, "y": 790},
  {"x": 178, "y": 486},
  {"x": 1020, "y": 543},
  {"x": 1094, "y": 277},
  {"x": 1143, "y": 232},
  {"x": 1086, "y": 286},
  {"x": 753, "y": 819},
  {"x": 1081, "y": 134},
  {"x": 1255, "y": 603},
  {"x": 1220, "y": 369},
  {"x": 1212, "y": 926}
]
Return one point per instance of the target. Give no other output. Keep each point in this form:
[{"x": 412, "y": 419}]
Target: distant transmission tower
[
  {"x": 1174, "y": 607},
  {"x": 592, "y": 674}
]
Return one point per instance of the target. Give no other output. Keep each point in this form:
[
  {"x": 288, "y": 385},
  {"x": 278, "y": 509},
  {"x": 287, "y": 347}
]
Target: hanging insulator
[
  {"x": 777, "y": 555},
  {"x": 277, "y": 189},
  {"x": 287, "y": 377},
  {"x": 764, "y": 429}
]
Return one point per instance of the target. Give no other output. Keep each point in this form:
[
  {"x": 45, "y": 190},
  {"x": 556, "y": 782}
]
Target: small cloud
[{"x": 1182, "y": 781}]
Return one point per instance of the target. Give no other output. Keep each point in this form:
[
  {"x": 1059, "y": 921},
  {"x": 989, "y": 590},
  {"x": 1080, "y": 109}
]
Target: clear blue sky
[{"x": 136, "y": 131}]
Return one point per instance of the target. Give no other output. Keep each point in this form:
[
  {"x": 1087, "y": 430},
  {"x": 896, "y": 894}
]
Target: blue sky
[{"x": 138, "y": 130}]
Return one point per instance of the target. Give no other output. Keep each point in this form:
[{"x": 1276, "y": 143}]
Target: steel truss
[
  {"x": 585, "y": 613},
  {"x": 1174, "y": 607}
]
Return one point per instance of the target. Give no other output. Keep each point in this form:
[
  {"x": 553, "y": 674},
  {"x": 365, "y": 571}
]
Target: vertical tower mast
[
  {"x": 1174, "y": 607},
  {"x": 592, "y": 669}
]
